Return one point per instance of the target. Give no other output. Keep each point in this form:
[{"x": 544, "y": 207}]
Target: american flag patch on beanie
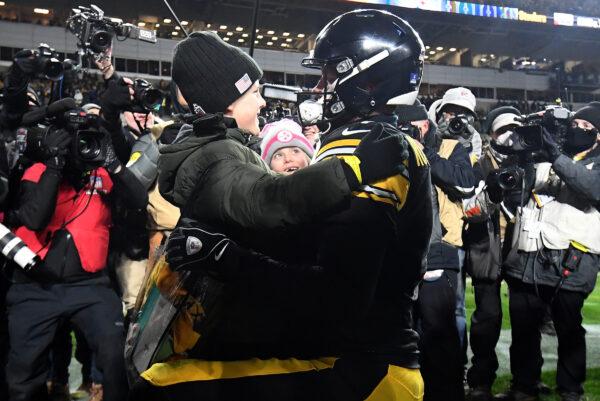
[{"x": 243, "y": 83}]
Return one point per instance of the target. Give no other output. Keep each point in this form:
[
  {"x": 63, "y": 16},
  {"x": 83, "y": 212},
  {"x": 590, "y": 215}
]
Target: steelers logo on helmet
[{"x": 368, "y": 59}]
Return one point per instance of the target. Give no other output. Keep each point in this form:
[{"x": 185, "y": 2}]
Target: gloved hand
[
  {"x": 54, "y": 147},
  {"x": 550, "y": 146},
  {"x": 493, "y": 186},
  {"x": 116, "y": 98},
  {"x": 111, "y": 162},
  {"x": 380, "y": 154},
  {"x": 192, "y": 247}
]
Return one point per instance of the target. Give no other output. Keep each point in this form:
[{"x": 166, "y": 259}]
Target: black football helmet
[{"x": 368, "y": 59}]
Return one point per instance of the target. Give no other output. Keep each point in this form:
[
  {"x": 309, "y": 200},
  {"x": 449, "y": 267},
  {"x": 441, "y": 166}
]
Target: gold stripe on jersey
[
  {"x": 352, "y": 143},
  {"x": 416, "y": 147}
]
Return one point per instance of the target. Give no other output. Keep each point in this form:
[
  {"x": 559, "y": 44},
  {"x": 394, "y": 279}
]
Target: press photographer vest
[
  {"x": 84, "y": 214},
  {"x": 450, "y": 212},
  {"x": 555, "y": 216}
]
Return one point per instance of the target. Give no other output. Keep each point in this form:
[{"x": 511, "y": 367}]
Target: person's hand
[
  {"x": 104, "y": 63},
  {"x": 194, "y": 247},
  {"x": 111, "y": 161},
  {"x": 550, "y": 146},
  {"x": 116, "y": 98},
  {"x": 381, "y": 154},
  {"x": 26, "y": 62},
  {"x": 55, "y": 146}
]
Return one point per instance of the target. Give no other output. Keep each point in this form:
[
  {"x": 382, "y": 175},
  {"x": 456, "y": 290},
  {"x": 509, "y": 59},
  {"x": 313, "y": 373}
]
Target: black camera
[
  {"x": 95, "y": 32},
  {"x": 90, "y": 143},
  {"x": 458, "y": 124},
  {"x": 527, "y": 139},
  {"x": 510, "y": 178},
  {"x": 146, "y": 98},
  {"x": 47, "y": 64}
]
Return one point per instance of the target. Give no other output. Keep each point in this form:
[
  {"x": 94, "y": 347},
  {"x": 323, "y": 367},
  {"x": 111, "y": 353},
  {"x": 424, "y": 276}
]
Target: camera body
[
  {"x": 47, "y": 64},
  {"x": 528, "y": 138},
  {"x": 146, "y": 98},
  {"x": 95, "y": 32},
  {"x": 89, "y": 144}
]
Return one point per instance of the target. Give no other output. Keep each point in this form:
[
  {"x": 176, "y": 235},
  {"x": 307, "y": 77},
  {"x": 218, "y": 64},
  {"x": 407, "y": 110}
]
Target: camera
[
  {"x": 13, "y": 248},
  {"x": 146, "y": 98},
  {"x": 458, "y": 124},
  {"x": 90, "y": 143},
  {"x": 47, "y": 64},
  {"x": 95, "y": 32},
  {"x": 510, "y": 178},
  {"x": 528, "y": 138}
]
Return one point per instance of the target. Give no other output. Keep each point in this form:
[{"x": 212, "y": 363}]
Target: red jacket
[{"x": 85, "y": 215}]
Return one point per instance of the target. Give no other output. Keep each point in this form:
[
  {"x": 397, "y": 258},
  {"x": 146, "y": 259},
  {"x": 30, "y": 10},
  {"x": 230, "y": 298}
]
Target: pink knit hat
[{"x": 283, "y": 134}]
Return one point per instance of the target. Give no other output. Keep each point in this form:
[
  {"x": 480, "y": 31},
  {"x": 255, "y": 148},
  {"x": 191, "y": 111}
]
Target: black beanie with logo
[
  {"x": 415, "y": 112},
  {"x": 210, "y": 73},
  {"x": 590, "y": 113}
]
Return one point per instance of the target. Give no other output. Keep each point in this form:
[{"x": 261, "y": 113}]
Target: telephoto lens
[{"x": 13, "y": 248}]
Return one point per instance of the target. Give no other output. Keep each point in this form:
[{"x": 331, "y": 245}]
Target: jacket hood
[{"x": 192, "y": 137}]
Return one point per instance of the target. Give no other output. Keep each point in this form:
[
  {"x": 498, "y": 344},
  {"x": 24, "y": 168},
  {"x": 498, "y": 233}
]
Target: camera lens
[
  {"x": 457, "y": 125},
  {"x": 53, "y": 69},
  {"x": 100, "y": 41},
  {"x": 88, "y": 146},
  {"x": 152, "y": 99},
  {"x": 507, "y": 181}
]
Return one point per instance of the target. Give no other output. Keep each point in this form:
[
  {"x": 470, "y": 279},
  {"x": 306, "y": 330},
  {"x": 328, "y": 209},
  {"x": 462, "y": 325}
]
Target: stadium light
[
  {"x": 157, "y": 25},
  {"x": 41, "y": 11},
  {"x": 269, "y": 43},
  {"x": 184, "y": 23},
  {"x": 286, "y": 34},
  {"x": 483, "y": 59},
  {"x": 167, "y": 21},
  {"x": 141, "y": 23},
  {"x": 223, "y": 27},
  {"x": 177, "y": 28},
  {"x": 427, "y": 47},
  {"x": 239, "y": 29},
  {"x": 174, "y": 33},
  {"x": 432, "y": 52},
  {"x": 2, "y": 3},
  {"x": 256, "y": 42},
  {"x": 439, "y": 48},
  {"x": 229, "y": 33},
  {"x": 274, "y": 38},
  {"x": 452, "y": 49},
  {"x": 208, "y": 25},
  {"x": 426, "y": 57},
  {"x": 270, "y": 32},
  {"x": 244, "y": 35},
  {"x": 283, "y": 45},
  {"x": 300, "y": 35},
  {"x": 288, "y": 40},
  {"x": 226, "y": 39},
  {"x": 241, "y": 40},
  {"x": 259, "y": 37}
]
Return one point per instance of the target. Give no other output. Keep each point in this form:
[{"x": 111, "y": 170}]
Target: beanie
[
  {"x": 504, "y": 120},
  {"x": 283, "y": 134},
  {"x": 590, "y": 113},
  {"x": 212, "y": 74},
  {"x": 494, "y": 114},
  {"x": 407, "y": 113}
]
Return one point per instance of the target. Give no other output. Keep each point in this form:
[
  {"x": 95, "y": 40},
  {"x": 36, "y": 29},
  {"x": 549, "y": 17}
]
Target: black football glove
[
  {"x": 196, "y": 248},
  {"x": 381, "y": 153}
]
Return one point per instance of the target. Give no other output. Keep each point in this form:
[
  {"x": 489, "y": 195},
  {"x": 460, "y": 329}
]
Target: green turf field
[
  {"x": 591, "y": 316},
  {"x": 591, "y": 308}
]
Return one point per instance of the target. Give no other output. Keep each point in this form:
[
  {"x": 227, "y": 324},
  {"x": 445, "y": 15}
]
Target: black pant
[
  {"x": 527, "y": 310},
  {"x": 34, "y": 314},
  {"x": 441, "y": 353},
  {"x": 486, "y": 323},
  {"x": 3, "y": 338}
]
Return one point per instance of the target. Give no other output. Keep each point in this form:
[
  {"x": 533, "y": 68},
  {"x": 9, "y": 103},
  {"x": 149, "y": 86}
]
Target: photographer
[
  {"x": 64, "y": 216},
  {"x": 554, "y": 259},
  {"x": 454, "y": 179},
  {"x": 482, "y": 242}
]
